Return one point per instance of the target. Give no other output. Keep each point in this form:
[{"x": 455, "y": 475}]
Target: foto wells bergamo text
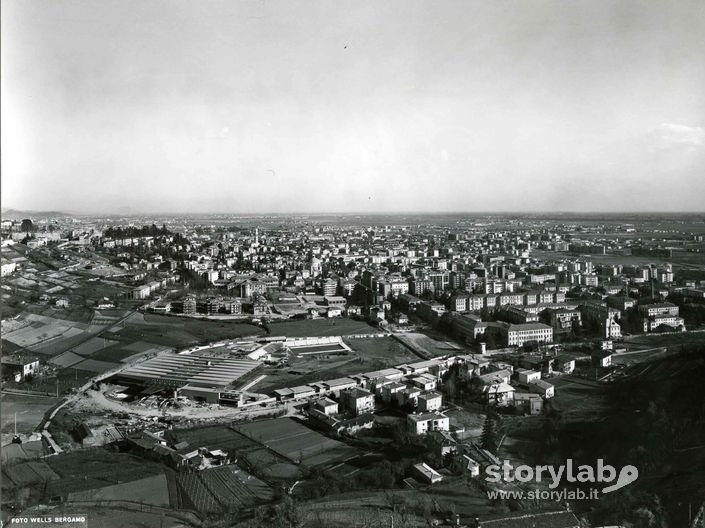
[{"x": 46, "y": 519}]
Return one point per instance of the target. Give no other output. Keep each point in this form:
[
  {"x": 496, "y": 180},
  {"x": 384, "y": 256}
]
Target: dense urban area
[{"x": 351, "y": 371}]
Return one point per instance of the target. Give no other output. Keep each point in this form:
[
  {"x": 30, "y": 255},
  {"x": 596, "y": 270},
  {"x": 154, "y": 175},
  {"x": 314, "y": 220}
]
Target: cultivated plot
[{"x": 295, "y": 441}]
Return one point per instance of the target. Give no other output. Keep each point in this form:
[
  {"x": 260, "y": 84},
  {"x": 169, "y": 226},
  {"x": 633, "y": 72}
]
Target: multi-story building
[
  {"x": 19, "y": 366},
  {"x": 653, "y": 322},
  {"x": 429, "y": 401},
  {"x": 328, "y": 287},
  {"x": 518, "y": 334},
  {"x": 421, "y": 286},
  {"x": 652, "y": 310},
  {"x": 562, "y": 319},
  {"x": 430, "y": 421},
  {"x": 515, "y": 314},
  {"x": 459, "y": 303},
  {"x": 358, "y": 401}
]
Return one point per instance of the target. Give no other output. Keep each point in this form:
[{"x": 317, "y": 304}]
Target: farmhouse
[{"x": 19, "y": 366}]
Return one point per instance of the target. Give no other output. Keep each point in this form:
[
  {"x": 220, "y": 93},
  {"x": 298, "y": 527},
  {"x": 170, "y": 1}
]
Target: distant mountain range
[{"x": 15, "y": 214}]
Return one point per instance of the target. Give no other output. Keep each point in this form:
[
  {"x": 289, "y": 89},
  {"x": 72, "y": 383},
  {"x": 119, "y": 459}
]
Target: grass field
[
  {"x": 309, "y": 370},
  {"x": 578, "y": 399},
  {"x": 387, "y": 351},
  {"x": 660, "y": 340},
  {"x": 320, "y": 328},
  {"x": 429, "y": 346}
]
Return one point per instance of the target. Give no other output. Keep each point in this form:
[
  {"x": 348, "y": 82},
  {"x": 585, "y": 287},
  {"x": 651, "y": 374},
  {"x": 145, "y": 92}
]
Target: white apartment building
[{"x": 518, "y": 334}]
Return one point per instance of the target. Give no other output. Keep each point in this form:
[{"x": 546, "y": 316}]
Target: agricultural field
[
  {"x": 121, "y": 352},
  {"x": 151, "y": 490},
  {"x": 213, "y": 437},
  {"x": 222, "y": 489},
  {"x": 92, "y": 346},
  {"x": 48, "y": 335},
  {"x": 29, "y": 473},
  {"x": 272, "y": 466},
  {"x": 91, "y": 469},
  {"x": 95, "y": 366},
  {"x": 412, "y": 507},
  {"x": 29, "y": 410},
  {"x": 296, "y": 442},
  {"x": 320, "y": 328},
  {"x": 27, "y": 450},
  {"x": 178, "y": 332}
]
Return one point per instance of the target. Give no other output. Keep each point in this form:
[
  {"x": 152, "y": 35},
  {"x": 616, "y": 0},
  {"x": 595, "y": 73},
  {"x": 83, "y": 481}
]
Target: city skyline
[{"x": 260, "y": 107}]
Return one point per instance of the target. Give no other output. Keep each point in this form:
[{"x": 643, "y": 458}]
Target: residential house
[
  {"x": 431, "y": 421},
  {"x": 429, "y": 401}
]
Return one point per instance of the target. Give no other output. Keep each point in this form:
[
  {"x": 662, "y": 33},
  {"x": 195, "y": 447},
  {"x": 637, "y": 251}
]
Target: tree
[
  {"x": 489, "y": 439},
  {"x": 27, "y": 226}
]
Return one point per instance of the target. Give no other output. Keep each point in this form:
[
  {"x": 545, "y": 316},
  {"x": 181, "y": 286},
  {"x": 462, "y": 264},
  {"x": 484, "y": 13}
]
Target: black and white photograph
[{"x": 352, "y": 264}]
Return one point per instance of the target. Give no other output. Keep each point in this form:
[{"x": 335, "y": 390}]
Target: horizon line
[{"x": 345, "y": 213}]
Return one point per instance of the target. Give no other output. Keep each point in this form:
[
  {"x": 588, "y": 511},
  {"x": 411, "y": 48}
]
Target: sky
[{"x": 251, "y": 106}]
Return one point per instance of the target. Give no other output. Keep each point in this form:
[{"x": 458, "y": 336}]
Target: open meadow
[{"x": 321, "y": 328}]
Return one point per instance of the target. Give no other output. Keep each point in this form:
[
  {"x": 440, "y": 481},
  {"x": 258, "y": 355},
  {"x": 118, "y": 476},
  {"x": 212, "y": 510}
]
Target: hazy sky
[{"x": 313, "y": 105}]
